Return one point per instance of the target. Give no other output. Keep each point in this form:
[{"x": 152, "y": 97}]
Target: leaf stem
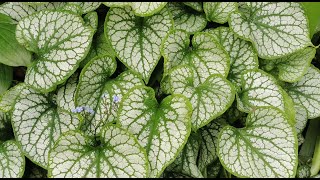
[
  {"x": 315, "y": 166},
  {"x": 307, "y": 148}
]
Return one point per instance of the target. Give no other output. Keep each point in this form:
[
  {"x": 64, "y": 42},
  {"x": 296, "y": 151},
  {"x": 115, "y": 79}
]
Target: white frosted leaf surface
[
  {"x": 19, "y": 10},
  {"x": 147, "y": 8},
  {"x": 37, "y": 124},
  {"x": 107, "y": 108},
  {"x": 219, "y": 11},
  {"x": 117, "y": 4},
  {"x": 185, "y": 20},
  {"x": 66, "y": 93},
  {"x": 118, "y": 156},
  {"x": 242, "y": 55},
  {"x": 307, "y": 92},
  {"x": 162, "y": 129},
  {"x": 208, "y": 148},
  {"x": 194, "y": 5},
  {"x": 266, "y": 147},
  {"x": 60, "y": 41},
  {"x": 186, "y": 162},
  {"x": 92, "y": 79},
  {"x": 206, "y": 55},
  {"x": 259, "y": 89},
  {"x": 91, "y": 19},
  {"x": 8, "y": 99},
  {"x": 209, "y": 99},
  {"x": 12, "y": 161},
  {"x": 137, "y": 40},
  {"x": 96, "y": 90},
  {"x": 87, "y": 6},
  {"x": 139, "y": 8},
  {"x": 301, "y": 118},
  {"x": 290, "y": 68},
  {"x": 276, "y": 29}
]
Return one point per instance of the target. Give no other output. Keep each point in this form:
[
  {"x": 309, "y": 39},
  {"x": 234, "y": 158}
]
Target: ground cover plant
[{"x": 159, "y": 89}]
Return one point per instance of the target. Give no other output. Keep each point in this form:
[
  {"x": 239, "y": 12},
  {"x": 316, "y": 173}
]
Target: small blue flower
[
  {"x": 116, "y": 99},
  {"x": 73, "y": 110}
]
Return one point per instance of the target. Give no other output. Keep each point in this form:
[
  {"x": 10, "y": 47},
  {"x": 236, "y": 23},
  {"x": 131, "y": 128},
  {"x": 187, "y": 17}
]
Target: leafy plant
[{"x": 159, "y": 89}]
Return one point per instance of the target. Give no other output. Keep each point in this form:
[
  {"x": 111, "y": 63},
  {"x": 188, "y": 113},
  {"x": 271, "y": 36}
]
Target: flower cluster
[{"x": 83, "y": 109}]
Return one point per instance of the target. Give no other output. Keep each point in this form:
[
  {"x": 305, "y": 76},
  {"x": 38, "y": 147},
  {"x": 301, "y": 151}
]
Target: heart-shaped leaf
[
  {"x": 191, "y": 22},
  {"x": 275, "y": 29},
  {"x": 96, "y": 90},
  {"x": 12, "y": 160},
  {"x": 38, "y": 122},
  {"x": 208, "y": 148},
  {"x": 290, "y": 68},
  {"x": 219, "y": 11},
  {"x": 194, "y": 5},
  {"x": 140, "y": 8},
  {"x": 162, "y": 129},
  {"x": 186, "y": 161},
  {"x": 19, "y": 10},
  {"x": 8, "y": 99},
  {"x": 60, "y": 41},
  {"x": 266, "y": 147},
  {"x": 11, "y": 52},
  {"x": 136, "y": 40},
  {"x": 307, "y": 92},
  {"x": 6, "y": 75},
  {"x": 259, "y": 89},
  {"x": 209, "y": 99},
  {"x": 206, "y": 55},
  {"x": 118, "y": 154},
  {"x": 242, "y": 55}
]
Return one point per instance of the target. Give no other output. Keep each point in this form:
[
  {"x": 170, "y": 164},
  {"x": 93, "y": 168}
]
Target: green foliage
[{"x": 159, "y": 89}]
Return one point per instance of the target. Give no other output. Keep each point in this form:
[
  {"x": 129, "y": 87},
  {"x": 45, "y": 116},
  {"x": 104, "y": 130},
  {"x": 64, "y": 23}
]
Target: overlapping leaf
[
  {"x": 6, "y": 75},
  {"x": 140, "y": 8},
  {"x": 60, "y": 41},
  {"x": 242, "y": 55},
  {"x": 301, "y": 118},
  {"x": 19, "y": 10},
  {"x": 260, "y": 89},
  {"x": 219, "y": 11},
  {"x": 136, "y": 40},
  {"x": 208, "y": 148},
  {"x": 307, "y": 92},
  {"x": 162, "y": 129},
  {"x": 290, "y": 68},
  {"x": 186, "y": 161},
  {"x": 119, "y": 154},
  {"x": 11, "y": 52},
  {"x": 38, "y": 122},
  {"x": 276, "y": 29},
  {"x": 206, "y": 56},
  {"x": 8, "y": 99},
  {"x": 91, "y": 19},
  {"x": 66, "y": 93},
  {"x": 100, "y": 46},
  {"x": 209, "y": 99},
  {"x": 96, "y": 90},
  {"x": 12, "y": 161},
  {"x": 195, "y": 5},
  {"x": 87, "y": 7},
  {"x": 266, "y": 147},
  {"x": 184, "y": 19}
]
